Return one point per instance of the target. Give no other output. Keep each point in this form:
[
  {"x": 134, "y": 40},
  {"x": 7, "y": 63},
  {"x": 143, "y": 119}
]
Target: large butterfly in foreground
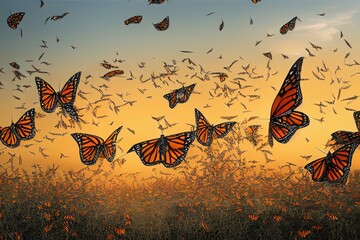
[
  {"x": 92, "y": 147},
  {"x": 180, "y": 95},
  {"x": 284, "y": 121},
  {"x": 168, "y": 150},
  {"x": 23, "y": 129},
  {"x": 163, "y": 25},
  {"x": 49, "y": 98},
  {"x": 205, "y": 132},
  {"x": 289, "y": 26},
  {"x": 335, "y": 167},
  {"x": 346, "y": 137},
  {"x": 14, "y": 19}
]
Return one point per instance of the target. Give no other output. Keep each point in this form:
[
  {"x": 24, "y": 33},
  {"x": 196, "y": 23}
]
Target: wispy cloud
[{"x": 327, "y": 27}]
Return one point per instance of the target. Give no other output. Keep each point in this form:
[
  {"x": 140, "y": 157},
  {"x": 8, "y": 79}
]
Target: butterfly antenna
[{"x": 320, "y": 150}]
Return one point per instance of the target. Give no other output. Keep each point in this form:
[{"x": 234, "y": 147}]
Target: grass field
[{"x": 219, "y": 198}]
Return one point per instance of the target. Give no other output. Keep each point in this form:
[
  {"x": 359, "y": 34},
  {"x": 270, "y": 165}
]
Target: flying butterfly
[
  {"x": 256, "y": 1},
  {"x": 163, "y": 25},
  {"x": 284, "y": 121},
  {"x": 347, "y": 137},
  {"x": 289, "y": 26},
  {"x": 14, "y": 19},
  {"x": 168, "y": 150},
  {"x": 92, "y": 147},
  {"x": 134, "y": 19},
  {"x": 49, "y": 98},
  {"x": 335, "y": 167},
  {"x": 23, "y": 129},
  {"x": 156, "y": 1},
  {"x": 205, "y": 133},
  {"x": 180, "y": 95},
  {"x": 111, "y": 74},
  {"x": 58, "y": 17}
]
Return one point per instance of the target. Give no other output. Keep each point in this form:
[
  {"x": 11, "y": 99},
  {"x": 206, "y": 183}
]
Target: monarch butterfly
[
  {"x": 284, "y": 121},
  {"x": 14, "y": 19},
  {"x": 58, "y": 17},
  {"x": 333, "y": 168},
  {"x": 49, "y": 99},
  {"x": 289, "y": 26},
  {"x": 135, "y": 19},
  {"x": 168, "y": 150},
  {"x": 112, "y": 73},
  {"x": 256, "y": 1},
  {"x": 23, "y": 129},
  {"x": 205, "y": 132},
  {"x": 268, "y": 55},
  {"x": 346, "y": 137},
  {"x": 180, "y": 95},
  {"x": 304, "y": 233},
  {"x": 92, "y": 147},
  {"x": 332, "y": 216},
  {"x": 253, "y": 217},
  {"x": 163, "y": 25}
]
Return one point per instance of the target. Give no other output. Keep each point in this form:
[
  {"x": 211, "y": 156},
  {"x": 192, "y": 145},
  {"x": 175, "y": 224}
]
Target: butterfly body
[
  {"x": 23, "y": 129},
  {"x": 284, "y": 121},
  {"x": 205, "y": 132},
  {"x": 180, "y": 95},
  {"x": 49, "y": 98},
  {"x": 333, "y": 168},
  {"x": 168, "y": 150},
  {"x": 92, "y": 147}
]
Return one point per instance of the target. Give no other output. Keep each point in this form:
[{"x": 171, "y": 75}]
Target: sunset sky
[{"x": 97, "y": 31}]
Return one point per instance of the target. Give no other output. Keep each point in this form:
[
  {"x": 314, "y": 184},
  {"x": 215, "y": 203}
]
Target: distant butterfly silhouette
[
  {"x": 49, "y": 99},
  {"x": 180, "y": 95},
  {"x": 346, "y": 137},
  {"x": 92, "y": 147},
  {"x": 205, "y": 133},
  {"x": 156, "y": 1},
  {"x": 333, "y": 168},
  {"x": 256, "y": 1},
  {"x": 23, "y": 129},
  {"x": 134, "y": 19},
  {"x": 14, "y": 19},
  {"x": 284, "y": 121},
  {"x": 168, "y": 150},
  {"x": 112, "y": 73},
  {"x": 163, "y": 25},
  {"x": 289, "y": 26}
]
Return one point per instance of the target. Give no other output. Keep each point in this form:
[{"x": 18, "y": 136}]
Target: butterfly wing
[
  {"x": 9, "y": 138},
  {"x": 163, "y": 25},
  {"x": 172, "y": 98},
  {"x": 186, "y": 94},
  {"x": 338, "y": 167},
  {"x": 283, "y": 128},
  {"x": 203, "y": 129},
  {"x": 48, "y": 96},
  {"x": 177, "y": 146},
  {"x": 284, "y": 121},
  {"x": 14, "y": 19},
  {"x": 288, "y": 26},
  {"x": 345, "y": 137},
  {"x": 90, "y": 147},
  {"x": 25, "y": 126},
  {"x": 148, "y": 152},
  {"x": 109, "y": 149},
  {"x": 222, "y": 129},
  {"x": 317, "y": 168},
  {"x": 68, "y": 92}
]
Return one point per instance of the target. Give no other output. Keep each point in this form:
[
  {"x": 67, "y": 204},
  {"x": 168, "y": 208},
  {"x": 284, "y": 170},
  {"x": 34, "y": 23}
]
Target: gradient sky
[{"x": 97, "y": 31}]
